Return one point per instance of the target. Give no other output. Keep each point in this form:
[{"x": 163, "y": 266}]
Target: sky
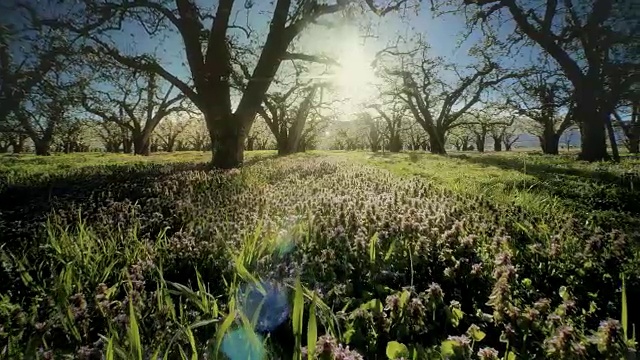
[{"x": 344, "y": 41}]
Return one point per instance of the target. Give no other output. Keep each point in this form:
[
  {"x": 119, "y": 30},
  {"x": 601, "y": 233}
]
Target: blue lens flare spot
[
  {"x": 243, "y": 344},
  {"x": 266, "y": 303}
]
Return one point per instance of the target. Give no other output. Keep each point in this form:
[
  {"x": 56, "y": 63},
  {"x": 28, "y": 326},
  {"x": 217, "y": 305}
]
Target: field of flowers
[{"x": 318, "y": 256}]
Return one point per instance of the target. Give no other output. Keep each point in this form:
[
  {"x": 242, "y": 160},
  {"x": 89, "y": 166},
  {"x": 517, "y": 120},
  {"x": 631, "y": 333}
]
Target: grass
[{"x": 323, "y": 255}]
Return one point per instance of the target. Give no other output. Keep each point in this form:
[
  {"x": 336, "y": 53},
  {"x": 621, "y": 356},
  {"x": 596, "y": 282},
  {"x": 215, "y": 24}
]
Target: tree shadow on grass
[{"x": 595, "y": 189}]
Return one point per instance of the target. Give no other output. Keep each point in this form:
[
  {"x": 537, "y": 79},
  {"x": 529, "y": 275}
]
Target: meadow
[{"x": 323, "y": 255}]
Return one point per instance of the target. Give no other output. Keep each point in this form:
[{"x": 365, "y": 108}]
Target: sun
[{"x": 354, "y": 78}]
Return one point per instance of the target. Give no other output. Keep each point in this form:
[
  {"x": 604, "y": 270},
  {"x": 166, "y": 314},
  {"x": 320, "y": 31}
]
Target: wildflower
[{"x": 488, "y": 353}]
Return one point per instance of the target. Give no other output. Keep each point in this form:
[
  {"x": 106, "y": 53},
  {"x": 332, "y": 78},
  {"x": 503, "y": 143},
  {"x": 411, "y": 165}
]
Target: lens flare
[{"x": 267, "y": 303}]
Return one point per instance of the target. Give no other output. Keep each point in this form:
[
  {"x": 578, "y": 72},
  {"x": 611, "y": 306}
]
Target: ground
[{"x": 394, "y": 255}]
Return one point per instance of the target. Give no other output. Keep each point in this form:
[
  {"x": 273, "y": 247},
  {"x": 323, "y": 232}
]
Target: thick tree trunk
[
  {"x": 593, "y": 134},
  {"x": 497, "y": 144},
  {"x": 549, "y": 142},
  {"x": 437, "y": 141},
  {"x": 141, "y": 145},
  {"x": 42, "y": 147},
  {"x": 250, "y": 143},
  {"x": 634, "y": 145},
  {"x": 395, "y": 144},
  {"x": 480, "y": 140},
  {"x": 228, "y": 137},
  {"x": 283, "y": 145}
]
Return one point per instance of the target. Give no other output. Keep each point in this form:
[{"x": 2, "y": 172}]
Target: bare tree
[
  {"x": 631, "y": 127},
  {"x": 168, "y": 133},
  {"x": 136, "y": 102},
  {"x": 432, "y": 100},
  {"x": 393, "y": 113},
  {"x": 587, "y": 39},
  {"x": 210, "y": 56},
  {"x": 541, "y": 98},
  {"x": 286, "y": 114}
]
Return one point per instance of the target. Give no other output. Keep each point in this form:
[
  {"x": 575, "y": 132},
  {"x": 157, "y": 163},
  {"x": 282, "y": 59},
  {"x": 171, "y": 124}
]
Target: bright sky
[{"x": 344, "y": 42}]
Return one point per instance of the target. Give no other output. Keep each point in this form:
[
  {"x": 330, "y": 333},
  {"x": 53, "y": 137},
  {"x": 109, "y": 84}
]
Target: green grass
[
  {"x": 404, "y": 255},
  {"x": 538, "y": 183}
]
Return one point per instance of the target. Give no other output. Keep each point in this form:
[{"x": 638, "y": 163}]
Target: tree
[
  {"x": 462, "y": 137},
  {"x": 169, "y": 131},
  {"x": 112, "y": 136},
  {"x": 259, "y": 137},
  {"x": 392, "y": 112},
  {"x": 437, "y": 105},
  {"x": 286, "y": 114},
  {"x": 540, "y": 98},
  {"x": 510, "y": 138},
  {"x": 592, "y": 43},
  {"x": 47, "y": 107},
  {"x": 631, "y": 127},
  {"x": 135, "y": 101},
  {"x": 211, "y": 60}
]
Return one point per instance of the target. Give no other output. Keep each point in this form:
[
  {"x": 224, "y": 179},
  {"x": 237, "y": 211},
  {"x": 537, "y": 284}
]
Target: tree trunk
[
  {"x": 594, "y": 144},
  {"x": 126, "y": 145},
  {"x": 549, "y": 142},
  {"x": 42, "y": 147},
  {"x": 497, "y": 144},
  {"x": 634, "y": 146},
  {"x": 18, "y": 144},
  {"x": 250, "y": 143},
  {"x": 141, "y": 145},
  {"x": 612, "y": 139},
  {"x": 228, "y": 137},
  {"x": 395, "y": 144},
  {"x": 171, "y": 143},
  {"x": 437, "y": 141},
  {"x": 480, "y": 140},
  {"x": 283, "y": 145}
]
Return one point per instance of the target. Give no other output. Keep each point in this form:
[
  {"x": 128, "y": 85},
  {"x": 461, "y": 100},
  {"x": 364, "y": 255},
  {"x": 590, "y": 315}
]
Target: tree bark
[
  {"x": 612, "y": 139},
  {"x": 634, "y": 145},
  {"x": 283, "y": 149},
  {"x": 497, "y": 144},
  {"x": 228, "y": 137},
  {"x": 42, "y": 147},
  {"x": 549, "y": 142},
  {"x": 593, "y": 134},
  {"x": 437, "y": 141},
  {"x": 127, "y": 145},
  {"x": 141, "y": 145},
  {"x": 480, "y": 140},
  {"x": 395, "y": 143}
]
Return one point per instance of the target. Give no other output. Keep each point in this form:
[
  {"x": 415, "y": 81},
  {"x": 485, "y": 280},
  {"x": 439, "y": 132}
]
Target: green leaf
[
  {"x": 447, "y": 348},
  {"x": 372, "y": 248},
  {"x": 625, "y": 324},
  {"x": 456, "y": 316},
  {"x": 134, "y": 333},
  {"x": 564, "y": 293},
  {"x": 510, "y": 356},
  {"x": 202, "y": 323},
  {"x": 298, "y": 308},
  {"x": 476, "y": 334},
  {"x": 390, "y": 251},
  {"x": 312, "y": 329},
  {"x": 396, "y": 350}
]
